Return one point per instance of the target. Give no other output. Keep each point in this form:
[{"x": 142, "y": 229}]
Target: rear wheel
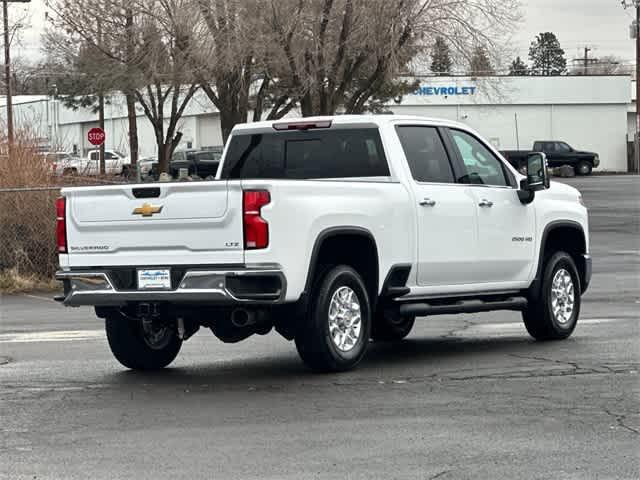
[
  {"x": 335, "y": 335},
  {"x": 554, "y": 314},
  {"x": 388, "y": 326},
  {"x": 584, "y": 168},
  {"x": 142, "y": 345}
]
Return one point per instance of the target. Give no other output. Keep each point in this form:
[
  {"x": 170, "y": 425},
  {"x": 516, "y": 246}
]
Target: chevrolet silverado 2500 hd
[{"x": 332, "y": 231}]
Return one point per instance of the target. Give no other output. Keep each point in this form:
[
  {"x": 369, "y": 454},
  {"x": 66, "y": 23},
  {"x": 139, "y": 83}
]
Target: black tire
[
  {"x": 314, "y": 340},
  {"x": 539, "y": 317},
  {"x": 70, "y": 172},
  {"x": 584, "y": 168},
  {"x": 127, "y": 342},
  {"x": 388, "y": 326}
]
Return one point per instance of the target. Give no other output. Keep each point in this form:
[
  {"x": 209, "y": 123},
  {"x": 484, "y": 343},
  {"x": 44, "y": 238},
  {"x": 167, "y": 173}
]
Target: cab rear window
[{"x": 309, "y": 154}]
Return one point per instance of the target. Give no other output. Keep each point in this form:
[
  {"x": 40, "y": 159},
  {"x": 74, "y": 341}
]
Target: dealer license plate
[{"x": 154, "y": 279}]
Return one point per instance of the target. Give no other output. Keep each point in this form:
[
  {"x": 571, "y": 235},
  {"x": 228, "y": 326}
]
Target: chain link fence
[
  {"x": 28, "y": 250},
  {"x": 27, "y": 231},
  {"x": 29, "y": 186}
]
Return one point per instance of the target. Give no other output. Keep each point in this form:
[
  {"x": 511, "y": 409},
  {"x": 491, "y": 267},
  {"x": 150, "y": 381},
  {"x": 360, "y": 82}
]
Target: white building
[
  {"x": 66, "y": 129},
  {"x": 588, "y": 112}
]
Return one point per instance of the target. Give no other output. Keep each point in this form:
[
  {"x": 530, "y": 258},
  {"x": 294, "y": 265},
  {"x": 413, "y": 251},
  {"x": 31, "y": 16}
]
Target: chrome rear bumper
[{"x": 211, "y": 287}]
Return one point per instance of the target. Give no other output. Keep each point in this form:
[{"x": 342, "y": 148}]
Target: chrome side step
[{"x": 462, "y": 306}]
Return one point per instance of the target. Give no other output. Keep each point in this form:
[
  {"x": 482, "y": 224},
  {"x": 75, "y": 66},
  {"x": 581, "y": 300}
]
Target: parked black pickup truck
[
  {"x": 203, "y": 163},
  {"x": 558, "y": 154}
]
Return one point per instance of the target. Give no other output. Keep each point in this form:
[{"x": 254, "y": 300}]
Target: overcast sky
[{"x": 602, "y": 25}]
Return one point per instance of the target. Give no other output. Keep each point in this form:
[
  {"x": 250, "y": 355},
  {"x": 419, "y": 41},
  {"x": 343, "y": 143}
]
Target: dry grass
[
  {"x": 27, "y": 218},
  {"x": 12, "y": 281}
]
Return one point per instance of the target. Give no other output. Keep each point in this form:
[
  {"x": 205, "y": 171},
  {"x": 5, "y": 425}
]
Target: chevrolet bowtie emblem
[{"x": 147, "y": 210}]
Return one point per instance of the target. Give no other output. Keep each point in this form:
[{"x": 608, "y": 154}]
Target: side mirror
[
  {"x": 537, "y": 172},
  {"x": 537, "y": 177}
]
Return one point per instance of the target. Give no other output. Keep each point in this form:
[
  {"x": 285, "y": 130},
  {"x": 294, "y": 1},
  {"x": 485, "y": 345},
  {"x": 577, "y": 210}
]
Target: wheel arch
[
  {"x": 349, "y": 237},
  {"x": 566, "y": 235}
]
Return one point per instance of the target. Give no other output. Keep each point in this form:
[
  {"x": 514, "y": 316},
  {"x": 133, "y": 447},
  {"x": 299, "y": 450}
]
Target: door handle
[
  {"x": 486, "y": 203},
  {"x": 427, "y": 202}
]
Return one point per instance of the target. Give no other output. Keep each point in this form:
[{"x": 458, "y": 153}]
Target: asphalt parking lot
[{"x": 464, "y": 397}]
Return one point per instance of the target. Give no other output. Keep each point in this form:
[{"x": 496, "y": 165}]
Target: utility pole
[
  {"x": 7, "y": 73},
  {"x": 7, "y": 68},
  {"x": 586, "y": 59}
]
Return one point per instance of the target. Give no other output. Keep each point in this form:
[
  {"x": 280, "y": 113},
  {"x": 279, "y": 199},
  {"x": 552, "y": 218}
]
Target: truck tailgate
[{"x": 156, "y": 224}]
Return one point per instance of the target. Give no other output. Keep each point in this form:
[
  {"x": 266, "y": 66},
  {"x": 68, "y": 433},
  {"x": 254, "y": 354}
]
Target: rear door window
[{"x": 332, "y": 153}]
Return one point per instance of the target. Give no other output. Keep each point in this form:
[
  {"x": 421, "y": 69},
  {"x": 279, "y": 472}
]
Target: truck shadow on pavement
[{"x": 423, "y": 356}]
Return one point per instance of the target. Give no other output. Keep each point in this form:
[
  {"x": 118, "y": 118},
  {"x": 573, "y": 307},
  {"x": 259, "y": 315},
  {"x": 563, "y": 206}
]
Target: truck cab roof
[{"x": 379, "y": 119}]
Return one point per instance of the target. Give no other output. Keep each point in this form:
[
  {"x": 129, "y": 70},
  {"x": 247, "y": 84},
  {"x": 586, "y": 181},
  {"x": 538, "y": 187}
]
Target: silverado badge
[{"x": 147, "y": 210}]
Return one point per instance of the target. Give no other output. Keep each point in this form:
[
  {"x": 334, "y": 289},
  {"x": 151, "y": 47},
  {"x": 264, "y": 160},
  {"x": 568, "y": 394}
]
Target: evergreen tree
[
  {"x": 480, "y": 65},
  {"x": 441, "y": 58},
  {"x": 546, "y": 55},
  {"x": 518, "y": 68}
]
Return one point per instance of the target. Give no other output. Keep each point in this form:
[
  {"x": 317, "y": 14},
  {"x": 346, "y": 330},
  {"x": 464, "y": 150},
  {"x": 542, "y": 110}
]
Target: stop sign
[{"x": 96, "y": 136}]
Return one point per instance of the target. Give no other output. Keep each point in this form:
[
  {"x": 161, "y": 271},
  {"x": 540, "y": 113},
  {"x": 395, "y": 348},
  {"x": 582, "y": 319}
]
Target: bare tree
[
  {"x": 231, "y": 62},
  {"x": 142, "y": 49},
  {"x": 27, "y": 77},
  {"x": 97, "y": 38},
  {"x": 337, "y": 55},
  {"x": 170, "y": 84}
]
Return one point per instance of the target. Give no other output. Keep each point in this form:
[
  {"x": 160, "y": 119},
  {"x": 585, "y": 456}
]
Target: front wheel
[
  {"x": 139, "y": 345},
  {"x": 554, "y": 314},
  {"x": 584, "y": 168},
  {"x": 335, "y": 335}
]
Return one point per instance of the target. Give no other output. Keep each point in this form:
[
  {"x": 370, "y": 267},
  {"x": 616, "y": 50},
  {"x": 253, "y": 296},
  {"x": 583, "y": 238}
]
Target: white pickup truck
[
  {"x": 114, "y": 163},
  {"x": 332, "y": 230}
]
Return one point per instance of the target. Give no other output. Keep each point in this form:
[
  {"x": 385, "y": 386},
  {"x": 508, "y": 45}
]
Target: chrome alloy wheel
[
  {"x": 562, "y": 296},
  {"x": 345, "y": 323}
]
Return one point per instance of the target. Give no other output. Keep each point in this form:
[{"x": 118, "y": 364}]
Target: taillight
[
  {"x": 61, "y": 227},
  {"x": 256, "y": 228}
]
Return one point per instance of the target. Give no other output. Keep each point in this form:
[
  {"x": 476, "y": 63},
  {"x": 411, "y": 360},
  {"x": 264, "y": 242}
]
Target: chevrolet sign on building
[{"x": 453, "y": 90}]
